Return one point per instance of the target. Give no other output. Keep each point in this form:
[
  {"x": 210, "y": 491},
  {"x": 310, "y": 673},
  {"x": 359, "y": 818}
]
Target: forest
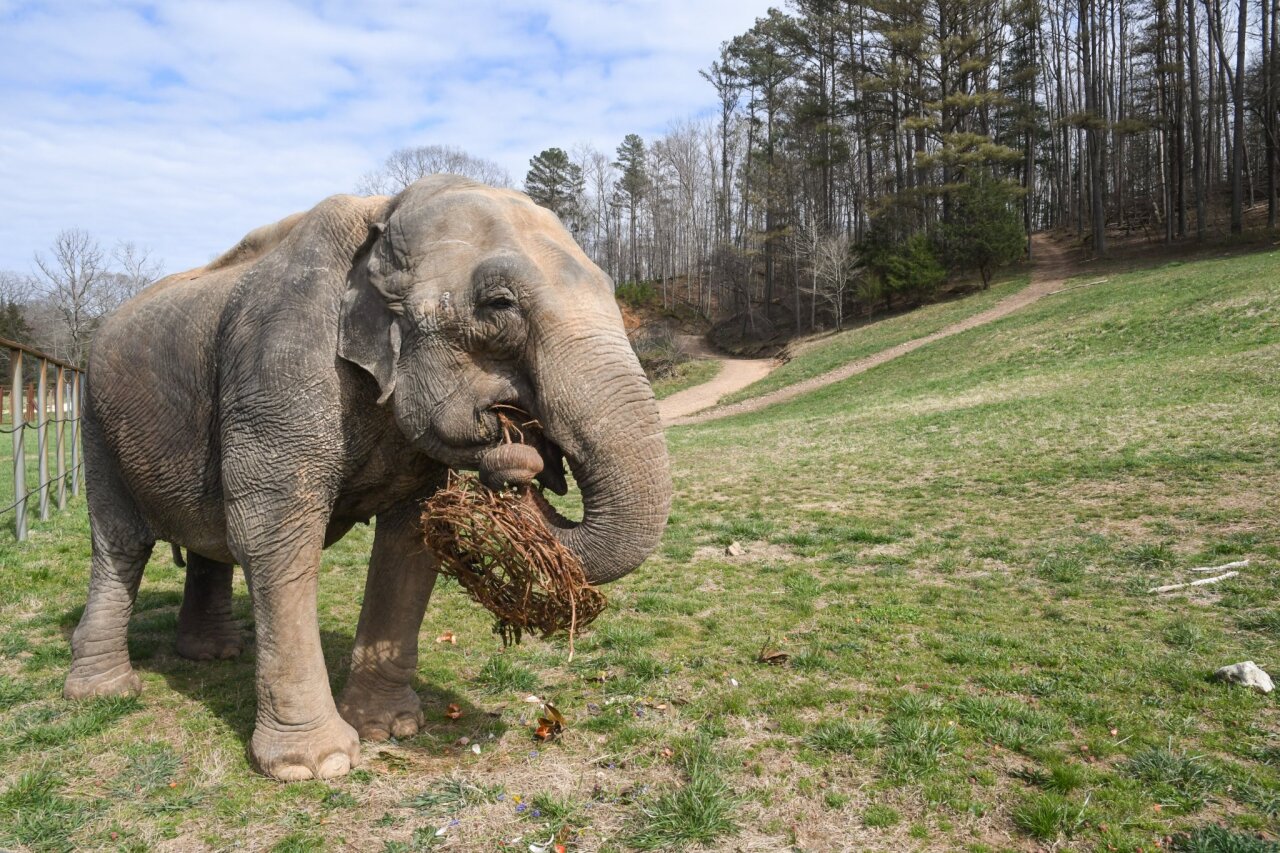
[{"x": 863, "y": 151}]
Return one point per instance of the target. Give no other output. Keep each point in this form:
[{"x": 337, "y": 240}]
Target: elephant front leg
[
  {"x": 298, "y": 733},
  {"x": 379, "y": 699}
]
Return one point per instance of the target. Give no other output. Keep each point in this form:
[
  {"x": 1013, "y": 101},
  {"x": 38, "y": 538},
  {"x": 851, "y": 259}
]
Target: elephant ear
[{"x": 368, "y": 334}]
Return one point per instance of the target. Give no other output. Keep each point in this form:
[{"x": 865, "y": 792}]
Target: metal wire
[
  {"x": 35, "y": 492},
  {"x": 37, "y": 424}
]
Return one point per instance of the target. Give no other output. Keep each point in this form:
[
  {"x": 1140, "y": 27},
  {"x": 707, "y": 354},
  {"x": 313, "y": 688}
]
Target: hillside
[{"x": 954, "y": 550}]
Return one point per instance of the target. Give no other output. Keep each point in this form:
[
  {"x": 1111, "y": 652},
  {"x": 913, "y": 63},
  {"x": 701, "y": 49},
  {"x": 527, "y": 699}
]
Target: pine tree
[
  {"x": 985, "y": 230},
  {"x": 13, "y": 325},
  {"x": 556, "y": 182},
  {"x": 631, "y": 187}
]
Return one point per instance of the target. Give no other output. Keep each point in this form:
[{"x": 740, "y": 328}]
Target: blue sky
[{"x": 183, "y": 124}]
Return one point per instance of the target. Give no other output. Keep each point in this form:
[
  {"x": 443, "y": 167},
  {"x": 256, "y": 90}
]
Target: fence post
[
  {"x": 19, "y": 450},
  {"x": 77, "y": 405},
  {"x": 59, "y": 427},
  {"x": 42, "y": 438}
]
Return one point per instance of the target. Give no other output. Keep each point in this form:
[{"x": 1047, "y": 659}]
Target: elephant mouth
[
  {"x": 513, "y": 423},
  {"x": 552, "y": 475}
]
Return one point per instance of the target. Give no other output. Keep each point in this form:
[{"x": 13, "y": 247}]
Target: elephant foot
[
  {"x": 326, "y": 751},
  {"x": 213, "y": 642},
  {"x": 380, "y": 714},
  {"x": 84, "y": 682}
]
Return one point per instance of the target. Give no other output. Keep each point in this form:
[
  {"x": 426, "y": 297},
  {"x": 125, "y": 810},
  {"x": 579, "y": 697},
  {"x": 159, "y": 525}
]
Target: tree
[
  {"x": 15, "y": 290},
  {"x": 984, "y": 231},
  {"x": 135, "y": 269},
  {"x": 631, "y": 188},
  {"x": 406, "y": 165},
  {"x": 908, "y": 269},
  {"x": 835, "y": 271},
  {"x": 75, "y": 280},
  {"x": 557, "y": 183}
]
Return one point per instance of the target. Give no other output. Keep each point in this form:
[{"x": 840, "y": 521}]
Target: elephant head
[{"x": 467, "y": 297}]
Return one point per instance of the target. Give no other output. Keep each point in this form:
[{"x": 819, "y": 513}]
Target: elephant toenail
[{"x": 337, "y": 764}]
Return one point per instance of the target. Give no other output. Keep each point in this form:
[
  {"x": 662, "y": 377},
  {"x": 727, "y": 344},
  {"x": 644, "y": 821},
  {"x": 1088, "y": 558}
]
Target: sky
[{"x": 181, "y": 124}]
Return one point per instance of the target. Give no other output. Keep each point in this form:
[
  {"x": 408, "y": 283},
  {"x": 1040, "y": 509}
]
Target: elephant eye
[{"x": 498, "y": 299}]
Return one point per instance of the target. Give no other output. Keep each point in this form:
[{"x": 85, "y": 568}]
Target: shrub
[{"x": 659, "y": 353}]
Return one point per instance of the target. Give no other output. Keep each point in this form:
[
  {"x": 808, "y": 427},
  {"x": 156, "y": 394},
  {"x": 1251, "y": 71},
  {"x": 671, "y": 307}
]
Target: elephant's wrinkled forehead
[{"x": 479, "y": 221}]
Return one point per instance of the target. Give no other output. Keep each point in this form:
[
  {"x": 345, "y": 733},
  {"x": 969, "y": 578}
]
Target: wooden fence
[{"x": 48, "y": 405}]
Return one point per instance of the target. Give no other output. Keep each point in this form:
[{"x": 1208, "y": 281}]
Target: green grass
[
  {"x": 954, "y": 549},
  {"x": 688, "y": 374},
  {"x": 828, "y": 353},
  {"x": 34, "y": 813}
]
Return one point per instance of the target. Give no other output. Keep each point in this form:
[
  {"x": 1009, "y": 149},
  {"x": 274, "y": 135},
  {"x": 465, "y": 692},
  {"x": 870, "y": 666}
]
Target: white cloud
[{"x": 183, "y": 124}]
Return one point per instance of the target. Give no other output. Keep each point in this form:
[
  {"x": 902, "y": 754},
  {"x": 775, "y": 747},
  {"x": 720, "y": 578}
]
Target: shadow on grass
[{"x": 227, "y": 687}]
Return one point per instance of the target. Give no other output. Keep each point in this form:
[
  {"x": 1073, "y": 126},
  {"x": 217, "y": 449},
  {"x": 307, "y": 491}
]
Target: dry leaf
[
  {"x": 773, "y": 657},
  {"x": 447, "y": 637},
  {"x": 453, "y": 712},
  {"x": 550, "y": 726}
]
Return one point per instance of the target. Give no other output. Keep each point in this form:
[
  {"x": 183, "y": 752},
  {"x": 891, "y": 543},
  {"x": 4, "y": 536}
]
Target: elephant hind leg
[
  {"x": 206, "y": 628},
  {"x": 121, "y": 543}
]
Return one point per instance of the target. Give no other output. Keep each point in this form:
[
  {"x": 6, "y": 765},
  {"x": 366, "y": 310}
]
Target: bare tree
[
  {"x": 15, "y": 287},
  {"x": 835, "y": 272},
  {"x": 599, "y": 236},
  {"x": 77, "y": 285},
  {"x": 135, "y": 269},
  {"x": 406, "y": 165}
]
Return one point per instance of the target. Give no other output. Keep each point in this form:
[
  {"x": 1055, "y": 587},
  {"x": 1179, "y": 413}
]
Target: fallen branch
[
  {"x": 1238, "y": 564},
  {"x": 1202, "y": 582}
]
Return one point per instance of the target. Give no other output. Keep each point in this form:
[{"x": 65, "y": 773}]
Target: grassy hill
[
  {"x": 954, "y": 549},
  {"x": 821, "y": 354}
]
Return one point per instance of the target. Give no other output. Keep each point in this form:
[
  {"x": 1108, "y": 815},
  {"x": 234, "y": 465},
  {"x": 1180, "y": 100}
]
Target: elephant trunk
[{"x": 596, "y": 403}]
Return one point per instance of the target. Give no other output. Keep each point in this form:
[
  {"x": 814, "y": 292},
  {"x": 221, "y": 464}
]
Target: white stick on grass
[
  {"x": 1203, "y": 581},
  {"x": 1239, "y": 564}
]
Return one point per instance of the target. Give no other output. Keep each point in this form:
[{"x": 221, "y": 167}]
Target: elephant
[{"x": 328, "y": 370}]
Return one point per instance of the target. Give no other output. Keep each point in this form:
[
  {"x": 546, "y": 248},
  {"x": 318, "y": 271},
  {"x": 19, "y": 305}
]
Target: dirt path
[
  {"x": 735, "y": 374},
  {"x": 1051, "y": 267}
]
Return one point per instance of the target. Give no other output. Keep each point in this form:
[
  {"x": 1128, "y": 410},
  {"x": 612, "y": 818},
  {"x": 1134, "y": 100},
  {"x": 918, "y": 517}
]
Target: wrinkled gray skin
[{"x": 327, "y": 370}]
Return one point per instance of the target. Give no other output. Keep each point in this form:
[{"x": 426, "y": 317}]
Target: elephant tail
[{"x": 177, "y": 557}]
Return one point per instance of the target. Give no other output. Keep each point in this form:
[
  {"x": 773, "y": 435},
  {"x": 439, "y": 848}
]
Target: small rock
[
  {"x": 735, "y": 549},
  {"x": 1247, "y": 673}
]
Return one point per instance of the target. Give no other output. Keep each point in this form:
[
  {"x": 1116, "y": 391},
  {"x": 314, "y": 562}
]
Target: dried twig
[{"x": 499, "y": 547}]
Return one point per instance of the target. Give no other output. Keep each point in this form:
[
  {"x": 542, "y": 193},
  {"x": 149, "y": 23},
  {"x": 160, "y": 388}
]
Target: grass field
[{"x": 953, "y": 549}]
